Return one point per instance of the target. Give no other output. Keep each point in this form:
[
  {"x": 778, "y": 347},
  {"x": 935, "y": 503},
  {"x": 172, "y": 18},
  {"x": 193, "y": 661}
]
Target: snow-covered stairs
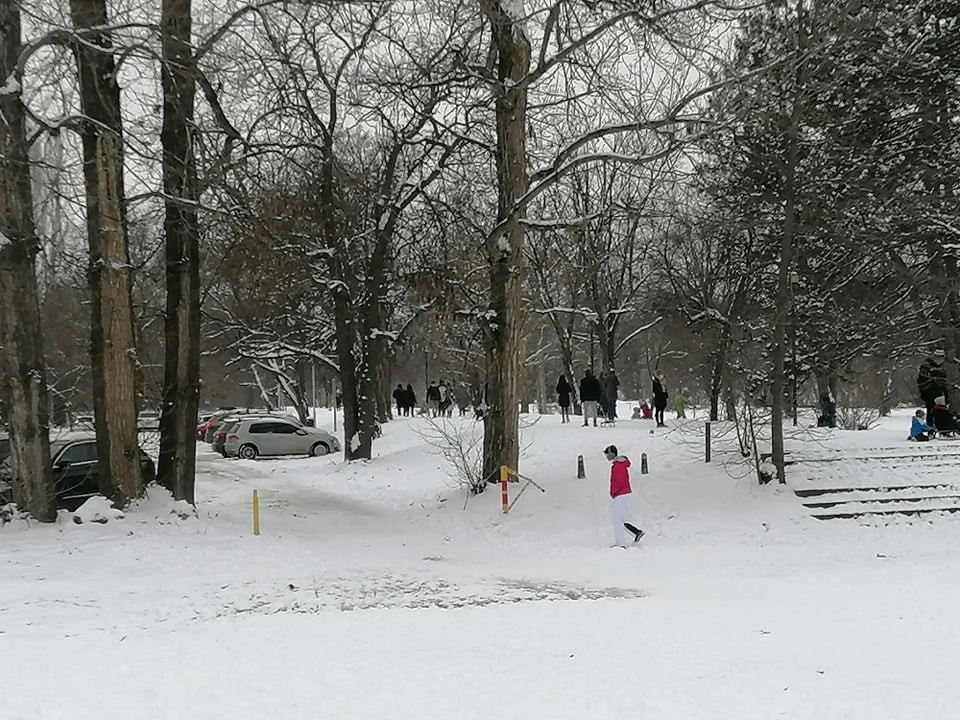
[{"x": 887, "y": 481}]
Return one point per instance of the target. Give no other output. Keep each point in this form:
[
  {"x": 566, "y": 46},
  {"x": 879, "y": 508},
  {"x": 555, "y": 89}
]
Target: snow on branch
[{"x": 639, "y": 331}]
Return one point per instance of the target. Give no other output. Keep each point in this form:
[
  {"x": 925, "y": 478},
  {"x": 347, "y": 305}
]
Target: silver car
[{"x": 274, "y": 436}]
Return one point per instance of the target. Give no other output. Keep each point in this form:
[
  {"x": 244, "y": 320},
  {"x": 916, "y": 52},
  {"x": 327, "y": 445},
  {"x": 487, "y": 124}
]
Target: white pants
[
  {"x": 589, "y": 410},
  {"x": 618, "y": 511}
]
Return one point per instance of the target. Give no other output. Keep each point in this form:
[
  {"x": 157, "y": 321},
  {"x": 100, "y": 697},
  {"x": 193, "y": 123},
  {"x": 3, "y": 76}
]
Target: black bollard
[
  {"x": 581, "y": 473},
  {"x": 643, "y": 464},
  {"x": 706, "y": 446}
]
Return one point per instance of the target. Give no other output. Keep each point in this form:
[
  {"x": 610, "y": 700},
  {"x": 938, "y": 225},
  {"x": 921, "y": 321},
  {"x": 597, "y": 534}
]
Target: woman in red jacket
[{"x": 619, "y": 492}]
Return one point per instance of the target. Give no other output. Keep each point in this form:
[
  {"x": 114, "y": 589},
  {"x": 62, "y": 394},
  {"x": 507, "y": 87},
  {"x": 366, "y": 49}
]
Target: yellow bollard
[
  {"x": 504, "y": 477},
  {"x": 256, "y": 513}
]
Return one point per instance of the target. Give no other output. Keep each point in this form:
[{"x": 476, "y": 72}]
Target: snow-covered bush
[
  {"x": 856, "y": 418},
  {"x": 460, "y": 442}
]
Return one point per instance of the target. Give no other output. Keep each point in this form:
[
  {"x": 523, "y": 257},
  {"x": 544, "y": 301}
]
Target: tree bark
[
  {"x": 113, "y": 347},
  {"x": 21, "y": 337},
  {"x": 176, "y": 469},
  {"x": 505, "y": 251}
]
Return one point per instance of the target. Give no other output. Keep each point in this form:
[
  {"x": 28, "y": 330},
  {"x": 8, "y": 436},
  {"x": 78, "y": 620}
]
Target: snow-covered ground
[{"x": 376, "y": 590}]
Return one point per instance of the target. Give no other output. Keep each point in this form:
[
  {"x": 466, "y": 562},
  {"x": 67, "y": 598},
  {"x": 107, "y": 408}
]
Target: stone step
[
  {"x": 882, "y": 500},
  {"x": 816, "y": 492},
  {"x": 899, "y": 511}
]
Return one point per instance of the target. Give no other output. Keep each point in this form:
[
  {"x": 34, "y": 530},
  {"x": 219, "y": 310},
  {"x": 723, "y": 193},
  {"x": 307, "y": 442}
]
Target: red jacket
[{"x": 620, "y": 476}]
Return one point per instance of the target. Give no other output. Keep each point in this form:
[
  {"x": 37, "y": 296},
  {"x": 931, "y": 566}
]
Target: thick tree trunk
[
  {"x": 113, "y": 348},
  {"x": 505, "y": 250},
  {"x": 21, "y": 337},
  {"x": 176, "y": 469}
]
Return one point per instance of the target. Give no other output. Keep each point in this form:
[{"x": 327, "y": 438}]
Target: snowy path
[{"x": 373, "y": 593}]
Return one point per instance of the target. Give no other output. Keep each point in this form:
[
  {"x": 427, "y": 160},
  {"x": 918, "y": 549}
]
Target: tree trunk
[
  {"x": 21, "y": 337},
  {"x": 505, "y": 250},
  {"x": 113, "y": 348},
  {"x": 176, "y": 469}
]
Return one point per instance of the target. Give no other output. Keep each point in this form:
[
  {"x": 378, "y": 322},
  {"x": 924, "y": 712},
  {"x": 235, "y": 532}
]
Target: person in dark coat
[
  {"x": 828, "y": 411},
  {"x": 932, "y": 381},
  {"x": 611, "y": 383},
  {"x": 942, "y": 420},
  {"x": 590, "y": 392},
  {"x": 660, "y": 395},
  {"x": 563, "y": 398},
  {"x": 400, "y": 397},
  {"x": 410, "y": 400}
]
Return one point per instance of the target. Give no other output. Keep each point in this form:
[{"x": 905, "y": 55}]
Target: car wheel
[
  {"x": 319, "y": 449},
  {"x": 247, "y": 452}
]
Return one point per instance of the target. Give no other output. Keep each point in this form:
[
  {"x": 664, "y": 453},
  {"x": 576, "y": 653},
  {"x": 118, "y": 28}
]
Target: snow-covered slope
[{"x": 737, "y": 604}]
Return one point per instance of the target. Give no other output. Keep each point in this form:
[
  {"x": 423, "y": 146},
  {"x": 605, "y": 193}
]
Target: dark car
[{"x": 75, "y": 472}]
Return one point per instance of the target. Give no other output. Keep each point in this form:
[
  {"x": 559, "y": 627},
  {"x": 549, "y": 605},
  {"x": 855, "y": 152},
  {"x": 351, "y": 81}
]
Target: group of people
[
  {"x": 936, "y": 419},
  {"x": 599, "y": 399},
  {"x": 406, "y": 400},
  {"x": 596, "y": 397},
  {"x": 440, "y": 400}
]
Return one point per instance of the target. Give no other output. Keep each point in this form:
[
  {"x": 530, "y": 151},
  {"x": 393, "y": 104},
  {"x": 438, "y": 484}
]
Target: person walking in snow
[
  {"x": 619, "y": 493},
  {"x": 433, "y": 399},
  {"x": 410, "y": 400},
  {"x": 590, "y": 392},
  {"x": 400, "y": 396},
  {"x": 563, "y": 398},
  {"x": 611, "y": 384},
  {"x": 659, "y": 399}
]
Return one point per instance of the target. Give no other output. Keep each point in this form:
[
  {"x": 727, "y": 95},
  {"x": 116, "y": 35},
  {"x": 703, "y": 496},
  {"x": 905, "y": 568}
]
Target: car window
[
  {"x": 261, "y": 428},
  {"x": 78, "y": 452}
]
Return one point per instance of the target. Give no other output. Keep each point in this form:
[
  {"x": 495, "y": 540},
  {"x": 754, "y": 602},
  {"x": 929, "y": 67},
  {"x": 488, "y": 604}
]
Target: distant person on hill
[
  {"x": 919, "y": 430},
  {"x": 932, "y": 380},
  {"x": 433, "y": 399},
  {"x": 410, "y": 400},
  {"x": 828, "y": 410},
  {"x": 619, "y": 493},
  {"x": 680, "y": 404},
  {"x": 611, "y": 383},
  {"x": 563, "y": 398},
  {"x": 400, "y": 396},
  {"x": 660, "y": 395},
  {"x": 590, "y": 392}
]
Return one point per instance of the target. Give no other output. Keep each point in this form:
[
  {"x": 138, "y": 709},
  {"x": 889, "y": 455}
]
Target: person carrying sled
[
  {"x": 619, "y": 493},
  {"x": 563, "y": 398},
  {"x": 919, "y": 430}
]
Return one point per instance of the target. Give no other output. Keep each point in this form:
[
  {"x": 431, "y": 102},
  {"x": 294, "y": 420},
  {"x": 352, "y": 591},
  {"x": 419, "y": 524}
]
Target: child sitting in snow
[{"x": 919, "y": 430}]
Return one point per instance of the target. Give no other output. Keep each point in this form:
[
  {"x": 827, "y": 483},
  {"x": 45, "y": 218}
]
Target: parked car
[
  {"x": 75, "y": 467},
  {"x": 148, "y": 420},
  {"x": 227, "y": 424},
  {"x": 268, "y": 436},
  {"x": 216, "y": 419}
]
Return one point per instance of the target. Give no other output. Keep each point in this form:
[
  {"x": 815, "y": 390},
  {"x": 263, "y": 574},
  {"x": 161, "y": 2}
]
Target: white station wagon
[{"x": 269, "y": 436}]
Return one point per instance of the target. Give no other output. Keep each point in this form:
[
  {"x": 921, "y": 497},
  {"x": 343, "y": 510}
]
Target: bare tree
[
  {"x": 181, "y": 379},
  {"x": 113, "y": 349},
  {"x": 21, "y": 337}
]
